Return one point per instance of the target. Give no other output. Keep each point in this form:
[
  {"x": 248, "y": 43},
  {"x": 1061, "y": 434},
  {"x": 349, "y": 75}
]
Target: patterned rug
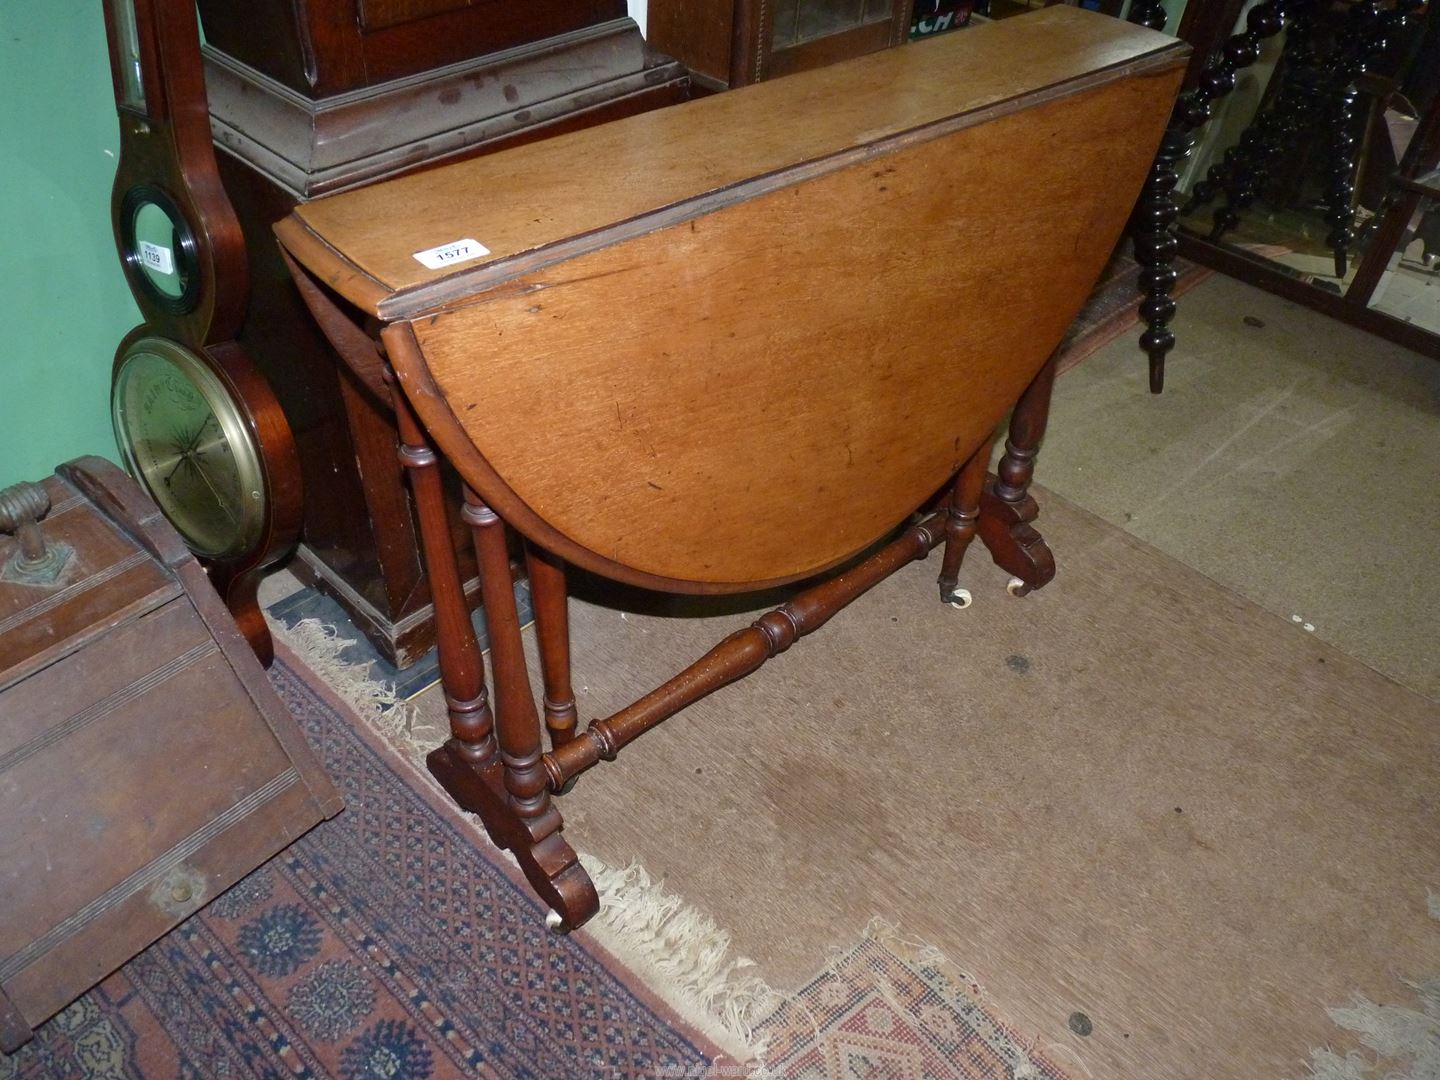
[
  {"x": 382, "y": 944},
  {"x": 889, "y": 1010},
  {"x": 935, "y": 1024}
]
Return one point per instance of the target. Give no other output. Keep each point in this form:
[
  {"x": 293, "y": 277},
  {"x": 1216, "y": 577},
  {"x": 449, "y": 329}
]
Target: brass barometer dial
[{"x": 190, "y": 442}]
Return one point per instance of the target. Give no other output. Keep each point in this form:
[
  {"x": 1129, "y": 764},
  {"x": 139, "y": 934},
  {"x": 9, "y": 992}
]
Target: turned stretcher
[{"x": 731, "y": 345}]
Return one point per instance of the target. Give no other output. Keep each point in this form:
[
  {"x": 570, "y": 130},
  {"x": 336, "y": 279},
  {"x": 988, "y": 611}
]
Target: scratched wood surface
[
  {"x": 759, "y": 393},
  {"x": 530, "y": 198}
]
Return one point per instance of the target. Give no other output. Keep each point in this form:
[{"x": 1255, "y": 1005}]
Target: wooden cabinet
[
  {"x": 320, "y": 48},
  {"x": 728, "y": 43}
]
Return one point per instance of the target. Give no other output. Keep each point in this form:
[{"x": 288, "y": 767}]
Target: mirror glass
[
  {"x": 799, "y": 21},
  {"x": 1409, "y": 286},
  {"x": 1310, "y": 163}
]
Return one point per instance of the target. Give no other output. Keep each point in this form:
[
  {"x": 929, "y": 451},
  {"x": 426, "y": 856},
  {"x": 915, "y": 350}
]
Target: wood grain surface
[
  {"x": 757, "y": 394},
  {"x": 576, "y": 185}
]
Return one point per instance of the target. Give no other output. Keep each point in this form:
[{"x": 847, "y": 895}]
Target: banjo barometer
[{"x": 196, "y": 423}]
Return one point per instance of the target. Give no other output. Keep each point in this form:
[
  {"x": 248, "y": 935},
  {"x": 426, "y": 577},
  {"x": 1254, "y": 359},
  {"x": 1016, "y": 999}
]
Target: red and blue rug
[{"x": 383, "y": 944}]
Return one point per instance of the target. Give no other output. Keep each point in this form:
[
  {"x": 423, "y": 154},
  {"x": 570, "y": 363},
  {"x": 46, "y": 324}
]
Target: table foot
[
  {"x": 1016, "y": 547},
  {"x": 955, "y": 597},
  {"x": 547, "y": 860}
]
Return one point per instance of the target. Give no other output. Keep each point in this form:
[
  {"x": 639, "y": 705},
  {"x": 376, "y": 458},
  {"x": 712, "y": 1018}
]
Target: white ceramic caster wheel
[
  {"x": 555, "y": 922},
  {"x": 1017, "y": 587},
  {"x": 960, "y": 598}
]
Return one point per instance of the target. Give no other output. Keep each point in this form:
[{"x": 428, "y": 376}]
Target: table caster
[
  {"x": 1017, "y": 587},
  {"x": 959, "y": 598},
  {"x": 555, "y": 923}
]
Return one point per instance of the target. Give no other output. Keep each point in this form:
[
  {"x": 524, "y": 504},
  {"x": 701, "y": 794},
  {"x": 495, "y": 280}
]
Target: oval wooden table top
[{"x": 733, "y": 342}]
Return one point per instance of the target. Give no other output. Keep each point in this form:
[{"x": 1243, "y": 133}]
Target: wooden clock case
[{"x": 309, "y": 97}]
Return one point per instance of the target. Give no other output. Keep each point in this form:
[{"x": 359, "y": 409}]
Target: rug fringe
[
  {"x": 677, "y": 951},
  {"x": 682, "y": 955},
  {"x": 918, "y": 953},
  {"x": 320, "y": 645}
]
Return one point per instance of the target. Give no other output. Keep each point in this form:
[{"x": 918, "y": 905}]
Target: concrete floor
[{"x": 1291, "y": 458}]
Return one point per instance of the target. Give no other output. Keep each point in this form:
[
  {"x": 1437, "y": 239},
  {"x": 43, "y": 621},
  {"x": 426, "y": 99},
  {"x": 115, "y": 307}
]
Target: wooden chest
[{"x": 146, "y": 763}]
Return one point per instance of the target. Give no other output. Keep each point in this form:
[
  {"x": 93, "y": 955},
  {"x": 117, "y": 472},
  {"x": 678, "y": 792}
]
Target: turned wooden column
[
  {"x": 1370, "y": 34},
  {"x": 1006, "y": 506},
  {"x": 1155, "y": 246},
  {"x": 1154, "y": 230},
  {"x": 961, "y": 521},
  {"x": 1315, "y": 101},
  {"x": 1148, "y": 13},
  {"x": 508, "y": 789},
  {"x": 518, "y": 724},
  {"x": 462, "y": 669},
  {"x": 1245, "y": 167},
  {"x": 1027, "y": 429},
  {"x": 552, "y": 628}
]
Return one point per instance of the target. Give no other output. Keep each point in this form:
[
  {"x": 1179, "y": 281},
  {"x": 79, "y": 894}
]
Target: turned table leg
[
  {"x": 1340, "y": 175},
  {"x": 1006, "y": 507},
  {"x": 462, "y": 670},
  {"x": 962, "y": 512},
  {"x": 552, "y": 627},
  {"x": 1155, "y": 246},
  {"x": 508, "y": 789},
  {"x": 531, "y": 821},
  {"x": 1155, "y": 242}
]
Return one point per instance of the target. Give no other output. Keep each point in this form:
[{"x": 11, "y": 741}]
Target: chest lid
[{"x": 146, "y": 763}]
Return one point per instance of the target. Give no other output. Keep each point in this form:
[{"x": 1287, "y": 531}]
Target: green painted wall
[{"x": 65, "y": 304}]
